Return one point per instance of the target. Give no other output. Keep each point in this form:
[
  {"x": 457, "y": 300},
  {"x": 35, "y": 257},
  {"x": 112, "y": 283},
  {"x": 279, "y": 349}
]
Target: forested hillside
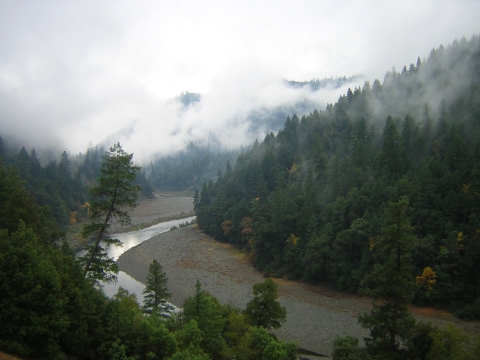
[
  {"x": 309, "y": 202},
  {"x": 190, "y": 168},
  {"x": 56, "y": 185},
  {"x": 62, "y": 186},
  {"x": 199, "y": 162}
]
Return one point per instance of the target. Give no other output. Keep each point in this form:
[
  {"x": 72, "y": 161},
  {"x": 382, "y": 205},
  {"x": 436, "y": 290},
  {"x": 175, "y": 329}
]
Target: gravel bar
[{"x": 314, "y": 316}]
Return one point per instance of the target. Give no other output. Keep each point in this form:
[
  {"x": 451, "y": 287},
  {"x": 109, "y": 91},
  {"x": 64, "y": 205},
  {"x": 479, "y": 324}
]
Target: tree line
[
  {"x": 308, "y": 202},
  {"x": 62, "y": 186},
  {"x": 189, "y": 168}
]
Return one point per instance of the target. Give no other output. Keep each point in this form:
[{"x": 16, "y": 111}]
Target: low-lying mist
[{"x": 234, "y": 115}]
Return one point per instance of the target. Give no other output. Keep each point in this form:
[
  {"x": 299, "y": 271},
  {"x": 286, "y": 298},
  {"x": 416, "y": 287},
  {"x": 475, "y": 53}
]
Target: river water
[{"x": 130, "y": 240}]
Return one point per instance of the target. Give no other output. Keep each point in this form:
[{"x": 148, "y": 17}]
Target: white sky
[{"x": 74, "y": 72}]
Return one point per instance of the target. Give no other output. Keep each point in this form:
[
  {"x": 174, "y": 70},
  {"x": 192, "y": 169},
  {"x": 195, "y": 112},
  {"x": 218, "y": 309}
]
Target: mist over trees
[
  {"x": 377, "y": 193},
  {"x": 307, "y": 202},
  {"x": 199, "y": 162},
  {"x": 190, "y": 168},
  {"x": 317, "y": 84}
]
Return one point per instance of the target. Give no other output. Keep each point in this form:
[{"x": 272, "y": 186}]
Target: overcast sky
[{"x": 74, "y": 72}]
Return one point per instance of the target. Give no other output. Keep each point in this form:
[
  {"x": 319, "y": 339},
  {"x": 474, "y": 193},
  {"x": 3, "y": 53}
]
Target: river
[{"x": 130, "y": 240}]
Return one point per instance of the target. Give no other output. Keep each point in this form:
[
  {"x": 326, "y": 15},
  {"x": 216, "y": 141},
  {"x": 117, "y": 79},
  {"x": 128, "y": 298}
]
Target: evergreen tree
[
  {"x": 113, "y": 195},
  {"x": 390, "y": 321},
  {"x": 2, "y": 148},
  {"x": 31, "y": 315},
  {"x": 408, "y": 128},
  {"x": 320, "y": 160},
  {"x": 17, "y": 204},
  {"x": 427, "y": 123},
  {"x": 390, "y": 161},
  {"x": 207, "y": 312},
  {"x": 452, "y": 343},
  {"x": 346, "y": 348},
  {"x": 155, "y": 341},
  {"x": 264, "y": 309},
  {"x": 196, "y": 200},
  {"x": 156, "y": 292},
  {"x": 189, "y": 340}
]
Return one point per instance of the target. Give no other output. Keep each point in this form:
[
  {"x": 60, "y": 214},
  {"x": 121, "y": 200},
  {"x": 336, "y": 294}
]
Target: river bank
[
  {"x": 316, "y": 314},
  {"x": 164, "y": 206},
  {"x": 314, "y": 317}
]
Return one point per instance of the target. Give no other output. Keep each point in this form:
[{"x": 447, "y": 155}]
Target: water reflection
[
  {"x": 130, "y": 240},
  {"x": 126, "y": 282},
  {"x": 134, "y": 238}
]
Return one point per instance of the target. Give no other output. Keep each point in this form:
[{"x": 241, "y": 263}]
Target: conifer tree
[
  {"x": 264, "y": 309},
  {"x": 2, "y": 148},
  {"x": 156, "y": 292},
  {"x": 196, "y": 200},
  {"x": 390, "y": 161},
  {"x": 207, "y": 312},
  {"x": 32, "y": 313},
  {"x": 111, "y": 198},
  {"x": 390, "y": 322}
]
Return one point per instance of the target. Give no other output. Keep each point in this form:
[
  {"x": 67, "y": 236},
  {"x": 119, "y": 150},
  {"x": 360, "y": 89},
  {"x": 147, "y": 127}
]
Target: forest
[
  {"x": 309, "y": 202},
  {"x": 377, "y": 194},
  {"x": 189, "y": 168},
  {"x": 52, "y": 306},
  {"x": 61, "y": 186}
]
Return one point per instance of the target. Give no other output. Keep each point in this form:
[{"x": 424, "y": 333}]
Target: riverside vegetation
[
  {"x": 377, "y": 193},
  {"x": 53, "y": 309},
  {"x": 315, "y": 201}
]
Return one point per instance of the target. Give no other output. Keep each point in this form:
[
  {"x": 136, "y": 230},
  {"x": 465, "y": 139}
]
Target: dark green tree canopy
[
  {"x": 18, "y": 205},
  {"x": 34, "y": 320},
  {"x": 344, "y": 164},
  {"x": 390, "y": 322},
  {"x": 264, "y": 309}
]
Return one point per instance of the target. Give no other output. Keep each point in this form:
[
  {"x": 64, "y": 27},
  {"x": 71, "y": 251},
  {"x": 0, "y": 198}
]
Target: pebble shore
[{"x": 316, "y": 315}]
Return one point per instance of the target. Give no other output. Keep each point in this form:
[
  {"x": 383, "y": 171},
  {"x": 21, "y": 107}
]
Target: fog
[{"x": 74, "y": 73}]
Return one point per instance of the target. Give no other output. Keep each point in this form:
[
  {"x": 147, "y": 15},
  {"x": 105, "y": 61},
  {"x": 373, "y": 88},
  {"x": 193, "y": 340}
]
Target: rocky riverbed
[
  {"x": 165, "y": 206},
  {"x": 315, "y": 317},
  {"x": 315, "y": 314}
]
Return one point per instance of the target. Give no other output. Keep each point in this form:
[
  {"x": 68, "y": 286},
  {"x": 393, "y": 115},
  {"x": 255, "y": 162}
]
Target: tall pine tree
[
  {"x": 390, "y": 321},
  {"x": 156, "y": 292},
  {"x": 112, "y": 197}
]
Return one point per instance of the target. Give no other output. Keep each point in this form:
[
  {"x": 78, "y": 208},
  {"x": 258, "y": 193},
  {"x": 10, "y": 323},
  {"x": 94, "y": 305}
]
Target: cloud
[
  {"x": 76, "y": 72},
  {"x": 224, "y": 115}
]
